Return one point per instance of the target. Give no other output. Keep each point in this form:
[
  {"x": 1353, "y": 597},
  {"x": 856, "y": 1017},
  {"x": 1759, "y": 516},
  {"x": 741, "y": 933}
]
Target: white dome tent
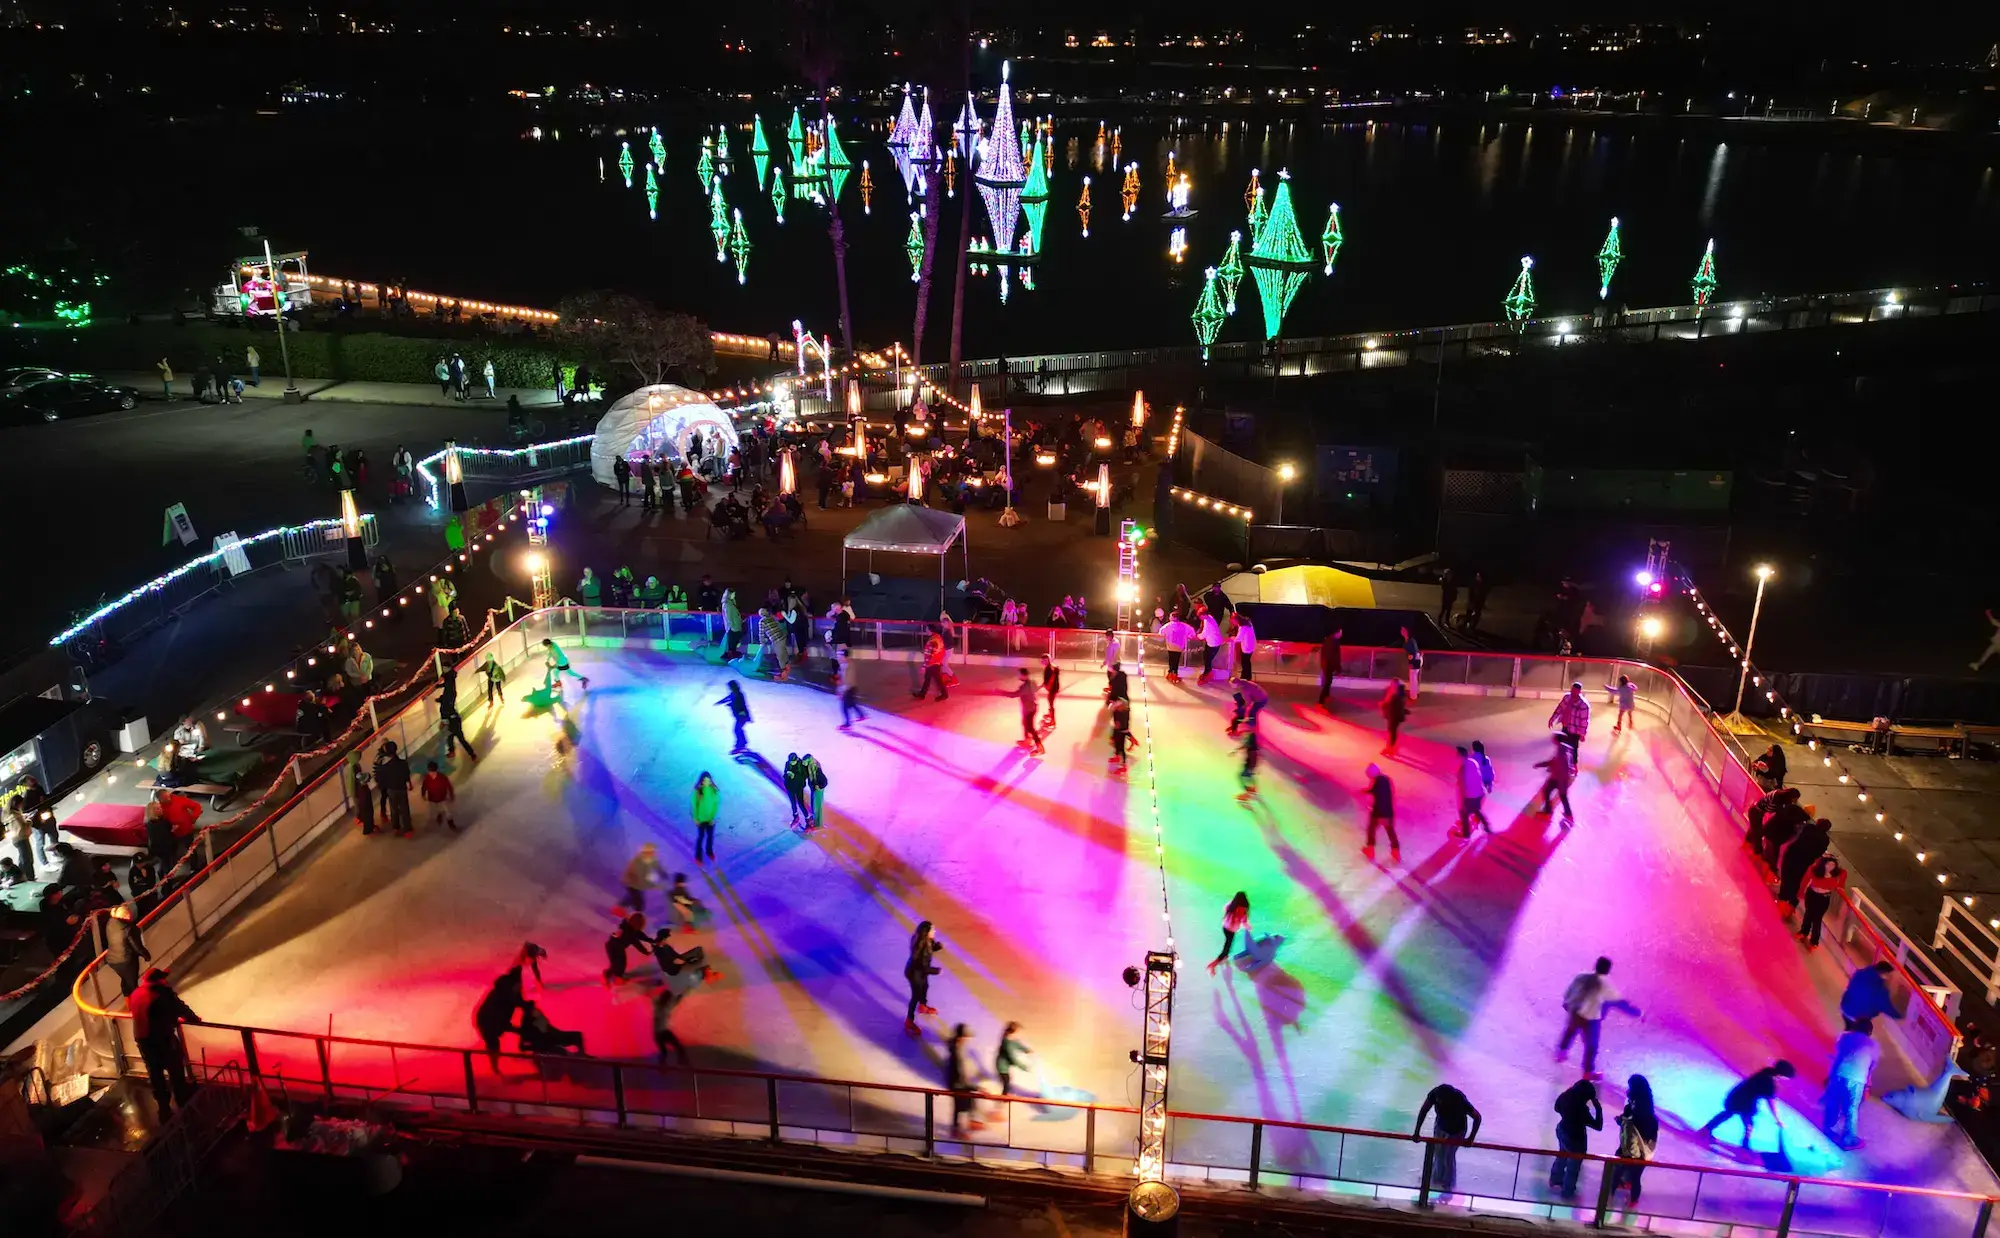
[{"x": 659, "y": 421}]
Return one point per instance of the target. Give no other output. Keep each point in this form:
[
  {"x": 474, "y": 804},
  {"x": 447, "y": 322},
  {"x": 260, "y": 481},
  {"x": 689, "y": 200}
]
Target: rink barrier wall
[
  {"x": 1384, "y": 1166},
  {"x": 1330, "y": 1163}
]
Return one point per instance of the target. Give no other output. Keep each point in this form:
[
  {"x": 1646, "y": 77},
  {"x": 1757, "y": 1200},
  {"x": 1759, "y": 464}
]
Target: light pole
[
  {"x": 292, "y": 393},
  {"x": 1649, "y": 631},
  {"x": 1764, "y": 574},
  {"x": 1285, "y": 475}
]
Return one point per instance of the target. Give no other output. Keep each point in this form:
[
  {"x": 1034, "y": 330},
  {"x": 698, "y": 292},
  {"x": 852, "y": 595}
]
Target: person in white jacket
[
  {"x": 1211, "y": 640},
  {"x": 1176, "y": 632}
]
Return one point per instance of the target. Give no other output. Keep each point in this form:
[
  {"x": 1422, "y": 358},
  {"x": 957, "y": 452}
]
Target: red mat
[{"x": 112, "y": 825}]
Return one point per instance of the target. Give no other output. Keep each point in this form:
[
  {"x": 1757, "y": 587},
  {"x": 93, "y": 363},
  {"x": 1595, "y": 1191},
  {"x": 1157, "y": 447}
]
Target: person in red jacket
[
  {"x": 157, "y": 1015},
  {"x": 440, "y": 795},
  {"x": 933, "y": 667}
]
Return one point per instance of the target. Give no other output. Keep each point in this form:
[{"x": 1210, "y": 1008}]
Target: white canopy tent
[
  {"x": 909, "y": 529},
  {"x": 658, "y": 421}
]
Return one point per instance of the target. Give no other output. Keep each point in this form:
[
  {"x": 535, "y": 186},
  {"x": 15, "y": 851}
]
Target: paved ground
[{"x": 1368, "y": 981}]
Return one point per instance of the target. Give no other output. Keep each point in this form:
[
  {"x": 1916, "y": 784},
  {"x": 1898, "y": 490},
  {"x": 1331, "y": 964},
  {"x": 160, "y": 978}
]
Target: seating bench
[
  {"x": 218, "y": 793},
  {"x": 1944, "y": 739}
]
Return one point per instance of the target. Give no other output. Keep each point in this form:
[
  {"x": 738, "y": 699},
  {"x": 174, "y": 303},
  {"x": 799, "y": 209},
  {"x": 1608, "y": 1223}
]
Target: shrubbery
[{"x": 353, "y": 356}]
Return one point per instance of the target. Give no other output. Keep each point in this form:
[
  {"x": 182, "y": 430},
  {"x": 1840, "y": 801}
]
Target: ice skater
[
  {"x": 451, "y": 724},
  {"x": 1415, "y": 657},
  {"x": 555, "y": 664},
  {"x": 1822, "y": 886},
  {"x": 958, "y": 1080},
  {"x": 1211, "y": 643},
  {"x": 642, "y": 872},
  {"x": 1626, "y": 693},
  {"x": 707, "y": 799},
  {"x": 689, "y": 910},
  {"x": 1381, "y": 795},
  {"x": 1121, "y": 733},
  {"x": 918, "y": 970},
  {"x": 1117, "y": 685},
  {"x": 1589, "y": 997},
  {"x": 1235, "y": 919},
  {"x": 494, "y": 1017},
  {"x": 1638, "y": 1135},
  {"x": 1250, "y": 699},
  {"x": 795, "y": 790},
  {"x": 739, "y": 713},
  {"x": 1051, "y": 688},
  {"x": 1757, "y": 1089},
  {"x": 1571, "y": 718},
  {"x": 1578, "y": 1112},
  {"x": 538, "y": 1035},
  {"x": 1012, "y": 1056},
  {"x": 496, "y": 679},
  {"x": 933, "y": 668},
  {"x": 1395, "y": 711},
  {"x": 1855, "y": 1056},
  {"x": 1454, "y": 1111},
  {"x": 438, "y": 792},
  {"x": 1246, "y": 777},
  {"x": 392, "y": 778},
  {"x": 850, "y": 706},
  {"x": 629, "y": 935},
  {"x": 1024, "y": 691},
  {"x": 1992, "y": 647},
  {"x": 1562, "y": 771},
  {"x": 815, "y": 776},
  {"x": 1471, "y": 794}
]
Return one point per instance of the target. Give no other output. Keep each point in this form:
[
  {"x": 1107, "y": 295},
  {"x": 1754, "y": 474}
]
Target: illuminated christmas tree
[
  {"x": 739, "y": 248},
  {"x": 1257, "y": 213},
  {"x": 1001, "y": 175},
  {"x": 1608, "y": 257},
  {"x": 1230, "y": 273},
  {"x": 1331, "y": 239},
  {"x": 1027, "y": 139},
  {"x": 705, "y": 166},
  {"x": 722, "y": 144},
  {"x": 1704, "y": 276},
  {"x": 1173, "y": 177},
  {"x": 795, "y": 137},
  {"x": 1130, "y": 195},
  {"x": 1037, "y": 213},
  {"x": 1252, "y": 192},
  {"x": 906, "y": 121},
  {"x": 1520, "y": 302},
  {"x": 778, "y": 192},
  {"x": 625, "y": 163},
  {"x": 760, "y": 149},
  {"x": 1083, "y": 206},
  {"x": 913, "y": 245},
  {"x": 659, "y": 148},
  {"x": 1279, "y": 260},
  {"x": 867, "y": 190},
  {"x": 923, "y": 143},
  {"x": 834, "y": 159},
  {"x": 652, "y": 193},
  {"x": 718, "y": 221},
  {"x": 1036, "y": 188},
  {"x": 1208, "y": 315}
]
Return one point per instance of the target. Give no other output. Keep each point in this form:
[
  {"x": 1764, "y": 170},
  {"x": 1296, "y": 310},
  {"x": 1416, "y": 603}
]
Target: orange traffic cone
[{"x": 263, "y": 1114}]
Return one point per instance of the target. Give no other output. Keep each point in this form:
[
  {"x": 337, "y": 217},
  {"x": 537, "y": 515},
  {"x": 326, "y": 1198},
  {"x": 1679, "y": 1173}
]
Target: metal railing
[
  {"x": 1401, "y": 346},
  {"x": 327, "y": 537},
  {"x": 1091, "y": 1138},
  {"x": 532, "y": 462},
  {"x": 169, "y": 1162},
  {"x": 1970, "y": 940}
]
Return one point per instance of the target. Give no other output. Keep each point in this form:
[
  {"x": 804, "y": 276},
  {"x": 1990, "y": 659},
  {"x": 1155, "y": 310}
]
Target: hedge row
[{"x": 349, "y": 356}]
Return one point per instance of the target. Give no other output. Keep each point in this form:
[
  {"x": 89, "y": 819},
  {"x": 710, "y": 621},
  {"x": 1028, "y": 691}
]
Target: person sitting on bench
[
  {"x": 313, "y": 720},
  {"x": 178, "y": 768},
  {"x": 191, "y": 737}
]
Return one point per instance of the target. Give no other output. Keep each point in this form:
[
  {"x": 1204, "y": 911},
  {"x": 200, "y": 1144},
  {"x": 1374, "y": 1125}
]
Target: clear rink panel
[{"x": 1365, "y": 982}]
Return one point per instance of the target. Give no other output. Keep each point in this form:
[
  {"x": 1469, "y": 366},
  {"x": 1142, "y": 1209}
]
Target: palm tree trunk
[
  {"x": 924, "y": 269},
  {"x": 838, "y": 234},
  {"x": 965, "y": 217}
]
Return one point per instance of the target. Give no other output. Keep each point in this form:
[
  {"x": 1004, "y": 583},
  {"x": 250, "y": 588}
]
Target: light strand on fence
[{"x": 1848, "y": 780}]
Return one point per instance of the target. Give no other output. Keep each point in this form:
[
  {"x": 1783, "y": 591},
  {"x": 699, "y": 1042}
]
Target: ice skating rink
[{"x": 1370, "y": 981}]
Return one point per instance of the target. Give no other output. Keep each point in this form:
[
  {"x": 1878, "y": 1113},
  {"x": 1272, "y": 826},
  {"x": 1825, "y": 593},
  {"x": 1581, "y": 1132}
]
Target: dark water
[{"x": 1436, "y": 218}]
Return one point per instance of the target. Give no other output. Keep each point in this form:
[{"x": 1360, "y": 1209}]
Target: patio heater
[
  {"x": 1128, "y": 573},
  {"x": 351, "y": 527},
  {"x": 788, "y": 481},
  {"x": 454, "y": 476}
]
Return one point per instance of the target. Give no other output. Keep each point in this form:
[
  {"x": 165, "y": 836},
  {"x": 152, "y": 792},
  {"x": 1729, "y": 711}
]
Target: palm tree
[
  {"x": 939, "y": 50},
  {"x": 818, "y": 51}
]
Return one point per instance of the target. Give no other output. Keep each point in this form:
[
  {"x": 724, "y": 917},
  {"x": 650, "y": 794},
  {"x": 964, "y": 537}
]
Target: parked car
[
  {"x": 17, "y": 377},
  {"x": 57, "y": 399}
]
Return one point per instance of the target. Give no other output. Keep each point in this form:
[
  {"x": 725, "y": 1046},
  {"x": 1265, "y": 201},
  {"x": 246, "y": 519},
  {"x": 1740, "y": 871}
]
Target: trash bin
[{"x": 1152, "y": 1210}]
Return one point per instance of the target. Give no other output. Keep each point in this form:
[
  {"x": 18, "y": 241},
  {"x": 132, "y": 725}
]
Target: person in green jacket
[
  {"x": 707, "y": 798},
  {"x": 1013, "y": 1056},
  {"x": 590, "y": 590},
  {"x": 732, "y": 621},
  {"x": 652, "y": 594},
  {"x": 677, "y": 598}
]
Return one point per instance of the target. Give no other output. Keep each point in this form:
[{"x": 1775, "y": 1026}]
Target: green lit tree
[
  {"x": 1331, "y": 240},
  {"x": 1520, "y": 302},
  {"x": 1208, "y": 315},
  {"x": 1230, "y": 273},
  {"x": 1704, "y": 276},
  {"x": 1609, "y": 255},
  {"x": 1279, "y": 260}
]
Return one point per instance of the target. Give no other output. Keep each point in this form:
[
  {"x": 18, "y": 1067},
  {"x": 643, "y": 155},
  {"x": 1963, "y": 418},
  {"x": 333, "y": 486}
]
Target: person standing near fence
[
  {"x": 1245, "y": 639},
  {"x": 359, "y": 793},
  {"x": 1012, "y": 1056},
  {"x": 1578, "y": 1112},
  {"x": 1638, "y": 1135},
  {"x": 125, "y": 947},
  {"x": 157, "y": 1015},
  {"x": 1051, "y": 688},
  {"x": 1627, "y": 696},
  {"x": 449, "y": 722},
  {"x": 496, "y": 679},
  {"x": 1855, "y": 1056},
  {"x": 1176, "y": 632},
  {"x": 1329, "y": 665},
  {"x": 1414, "y": 656},
  {"x": 1211, "y": 642},
  {"x": 1455, "y": 1112},
  {"x": 392, "y": 776}
]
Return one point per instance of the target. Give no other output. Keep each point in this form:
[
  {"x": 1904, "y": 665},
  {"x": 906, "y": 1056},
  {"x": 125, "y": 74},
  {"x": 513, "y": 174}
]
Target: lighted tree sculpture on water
[
  {"x": 1609, "y": 255},
  {"x": 913, "y": 245},
  {"x": 906, "y": 121},
  {"x": 659, "y": 149},
  {"x": 795, "y": 138},
  {"x": 1704, "y": 276},
  {"x": 778, "y": 193},
  {"x": 705, "y": 166},
  {"x": 652, "y": 194},
  {"x": 1279, "y": 260},
  {"x": 739, "y": 248},
  {"x": 1258, "y": 212},
  {"x": 1083, "y": 206},
  {"x": 834, "y": 158},
  {"x": 1001, "y": 176},
  {"x": 1130, "y": 195},
  {"x": 625, "y": 163},
  {"x": 1520, "y": 302},
  {"x": 1208, "y": 315},
  {"x": 1332, "y": 239},
  {"x": 718, "y": 221},
  {"x": 760, "y": 149},
  {"x": 1035, "y": 202},
  {"x": 1230, "y": 273}
]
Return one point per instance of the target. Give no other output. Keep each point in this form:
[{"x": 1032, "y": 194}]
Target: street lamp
[
  {"x": 1764, "y": 573},
  {"x": 1285, "y": 475},
  {"x": 292, "y": 393}
]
